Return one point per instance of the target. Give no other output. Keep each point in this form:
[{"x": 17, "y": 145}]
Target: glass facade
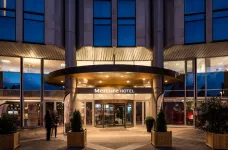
[
  {"x": 34, "y": 21},
  {"x": 126, "y": 23},
  {"x": 194, "y": 19},
  {"x": 8, "y": 20},
  {"x": 220, "y": 20},
  {"x": 102, "y": 23}
]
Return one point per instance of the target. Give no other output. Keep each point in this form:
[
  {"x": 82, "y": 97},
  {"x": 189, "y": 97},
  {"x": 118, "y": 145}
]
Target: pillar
[
  {"x": 41, "y": 91},
  {"x": 158, "y": 52},
  {"x": 70, "y": 50},
  {"x": 21, "y": 94},
  {"x": 19, "y": 20}
]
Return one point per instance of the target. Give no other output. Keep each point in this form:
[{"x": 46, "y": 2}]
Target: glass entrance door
[{"x": 114, "y": 115}]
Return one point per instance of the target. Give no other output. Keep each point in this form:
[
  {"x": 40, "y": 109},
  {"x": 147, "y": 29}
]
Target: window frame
[
  {"x": 192, "y": 14},
  {"x": 126, "y": 18},
  {"x": 213, "y": 18},
  {"x": 33, "y": 13},
  {"x": 102, "y": 18},
  {"x": 12, "y": 10}
]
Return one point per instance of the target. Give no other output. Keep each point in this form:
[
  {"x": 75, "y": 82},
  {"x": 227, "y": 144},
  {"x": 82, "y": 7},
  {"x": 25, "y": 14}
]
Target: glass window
[
  {"x": 89, "y": 113},
  {"x": 138, "y": 112},
  {"x": 174, "y": 111},
  {"x": 215, "y": 80},
  {"x": 34, "y": 21},
  {"x": 217, "y": 64},
  {"x": 189, "y": 81},
  {"x": 220, "y": 4},
  {"x": 178, "y": 66},
  {"x": 174, "y": 94},
  {"x": 32, "y": 80},
  {"x": 31, "y": 114},
  {"x": 189, "y": 112},
  {"x": 189, "y": 66},
  {"x": 194, "y": 21},
  {"x": 102, "y": 31},
  {"x": 201, "y": 65},
  {"x": 60, "y": 112},
  {"x": 200, "y": 81},
  {"x": 7, "y": 20},
  {"x": 126, "y": 23},
  {"x": 220, "y": 20}
]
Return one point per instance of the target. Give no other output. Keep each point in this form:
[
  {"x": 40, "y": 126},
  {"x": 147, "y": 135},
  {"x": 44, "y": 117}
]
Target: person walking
[
  {"x": 55, "y": 123},
  {"x": 48, "y": 124}
]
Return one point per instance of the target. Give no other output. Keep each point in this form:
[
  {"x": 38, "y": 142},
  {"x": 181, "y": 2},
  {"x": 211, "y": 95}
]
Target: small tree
[
  {"x": 76, "y": 122},
  {"x": 161, "y": 123},
  {"x": 7, "y": 125},
  {"x": 149, "y": 123}
]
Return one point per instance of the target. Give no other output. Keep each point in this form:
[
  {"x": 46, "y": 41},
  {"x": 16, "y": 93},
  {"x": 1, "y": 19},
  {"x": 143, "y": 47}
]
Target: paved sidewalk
[{"x": 115, "y": 139}]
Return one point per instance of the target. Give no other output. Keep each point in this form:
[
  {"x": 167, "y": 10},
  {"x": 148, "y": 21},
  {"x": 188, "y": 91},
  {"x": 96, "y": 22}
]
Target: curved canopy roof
[{"x": 113, "y": 75}]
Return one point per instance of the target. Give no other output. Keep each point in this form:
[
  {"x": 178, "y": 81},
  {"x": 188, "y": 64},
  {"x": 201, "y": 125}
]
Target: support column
[
  {"x": 21, "y": 94},
  {"x": 85, "y": 107},
  {"x": 195, "y": 89},
  {"x": 70, "y": 49},
  {"x": 93, "y": 110},
  {"x": 134, "y": 114},
  {"x": 143, "y": 103},
  {"x": 19, "y": 20},
  {"x": 158, "y": 51},
  {"x": 41, "y": 91}
]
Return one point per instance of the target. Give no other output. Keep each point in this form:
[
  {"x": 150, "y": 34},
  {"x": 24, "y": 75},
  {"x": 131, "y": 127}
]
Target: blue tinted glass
[
  {"x": 102, "y": 36},
  {"x": 34, "y": 17},
  {"x": 201, "y": 93},
  {"x": 174, "y": 94},
  {"x": 194, "y": 6},
  {"x": 33, "y": 31},
  {"x": 220, "y": 4},
  {"x": 102, "y": 21},
  {"x": 194, "y": 17},
  {"x": 11, "y": 80},
  {"x": 126, "y": 35},
  {"x": 220, "y": 30},
  {"x": 10, "y": 4},
  {"x": 220, "y": 14},
  {"x": 51, "y": 87},
  {"x": 126, "y": 8},
  {"x": 102, "y": 9},
  {"x": 189, "y": 93},
  {"x": 195, "y": 32},
  {"x": 215, "y": 76},
  {"x": 189, "y": 81},
  {"x": 34, "y": 6},
  {"x": 200, "y": 81},
  {"x": 32, "y": 81},
  {"x": 213, "y": 93},
  {"x": 126, "y": 21},
  {"x": 5, "y": 13},
  {"x": 7, "y": 28},
  {"x": 177, "y": 86}
]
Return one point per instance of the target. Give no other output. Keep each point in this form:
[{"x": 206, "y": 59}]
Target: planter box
[
  {"x": 161, "y": 139},
  {"x": 217, "y": 141},
  {"x": 77, "y": 139},
  {"x": 10, "y": 141}
]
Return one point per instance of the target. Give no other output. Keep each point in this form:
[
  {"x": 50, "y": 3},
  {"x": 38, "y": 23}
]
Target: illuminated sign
[{"x": 114, "y": 91}]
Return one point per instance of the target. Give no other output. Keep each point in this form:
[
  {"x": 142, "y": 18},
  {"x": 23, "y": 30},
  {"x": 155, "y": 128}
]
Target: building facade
[{"x": 41, "y": 36}]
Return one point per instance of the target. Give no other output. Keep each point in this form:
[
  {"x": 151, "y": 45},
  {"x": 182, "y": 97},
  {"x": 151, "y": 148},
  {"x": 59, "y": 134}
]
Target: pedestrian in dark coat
[
  {"x": 48, "y": 124},
  {"x": 55, "y": 121}
]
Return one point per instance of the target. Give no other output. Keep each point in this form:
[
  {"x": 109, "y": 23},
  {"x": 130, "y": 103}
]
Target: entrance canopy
[{"x": 112, "y": 75}]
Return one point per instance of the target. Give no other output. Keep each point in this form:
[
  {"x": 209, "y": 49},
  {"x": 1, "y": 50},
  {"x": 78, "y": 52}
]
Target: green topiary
[
  {"x": 149, "y": 123},
  {"x": 76, "y": 122},
  {"x": 7, "y": 125},
  {"x": 160, "y": 122}
]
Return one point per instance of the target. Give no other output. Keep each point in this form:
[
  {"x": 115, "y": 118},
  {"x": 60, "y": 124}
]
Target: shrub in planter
[
  {"x": 9, "y": 136},
  {"x": 149, "y": 123},
  {"x": 214, "y": 118},
  {"x": 160, "y": 137},
  {"x": 78, "y": 136}
]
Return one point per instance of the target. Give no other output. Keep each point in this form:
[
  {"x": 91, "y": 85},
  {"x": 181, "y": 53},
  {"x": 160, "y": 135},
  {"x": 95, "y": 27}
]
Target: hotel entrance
[{"x": 113, "y": 113}]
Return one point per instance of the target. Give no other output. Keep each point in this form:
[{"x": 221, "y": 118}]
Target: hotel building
[{"x": 105, "y": 53}]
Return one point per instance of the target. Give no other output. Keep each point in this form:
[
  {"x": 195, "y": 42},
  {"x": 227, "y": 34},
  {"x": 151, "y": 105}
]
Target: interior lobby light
[
  {"x": 128, "y": 81},
  {"x": 5, "y": 61},
  {"x": 62, "y": 81},
  {"x": 144, "y": 79},
  {"x": 100, "y": 81},
  {"x": 63, "y": 65},
  {"x": 177, "y": 64},
  {"x": 121, "y": 76},
  {"x": 166, "y": 81},
  {"x": 107, "y": 76}
]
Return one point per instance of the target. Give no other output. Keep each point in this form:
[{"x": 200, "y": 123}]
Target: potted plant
[
  {"x": 214, "y": 121},
  {"x": 9, "y": 136},
  {"x": 77, "y": 137},
  {"x": 149, "y": 123},
  {"x": 160, "y": 137}
]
